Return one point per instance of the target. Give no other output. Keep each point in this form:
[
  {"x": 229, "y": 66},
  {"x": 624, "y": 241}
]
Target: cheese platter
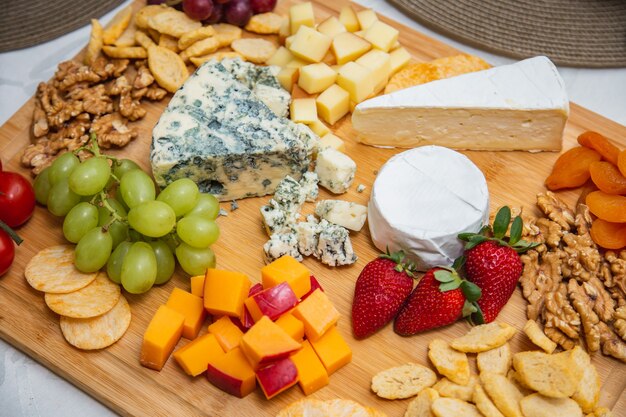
[{"x": 115, "y": 376}]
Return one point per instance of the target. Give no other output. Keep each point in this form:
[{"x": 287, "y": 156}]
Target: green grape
[
  {"x": 195, "y": 261},
  {"x": 139, "y": 268},
  {"x": 93, "y": 250},
  {"x": 181, "y": 195},
  {"x": 62, "y": 167},
  {"x": 119, "y": 232},
  {"x": 91, "y": 176},
  {"x": 207, "y": 206},
  {"x": 42, "y": 186},
  {"x": 122, "y": 166},
  {"x": 81, "y": 218},
  {"x": 136, "y": 187},
  {"x": 118, "y": 229},
  {"x": 135, "y": 236},
  {"x": 197, "y": 231},
  {"x": 165, "y": 261},
  {"x": 119, "y": 199},
  {"x": 170, "y": 240},
  {"x": 114, "y": 264},
  {"x": 152, "y": 218},
  {"x": 61, "y": 199}
]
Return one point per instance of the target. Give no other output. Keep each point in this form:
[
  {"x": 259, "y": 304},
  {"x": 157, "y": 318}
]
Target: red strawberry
[
  {"x": 379, "y": 292},
  {"x": 492, "y": 262},
  {"x": 440, "y": 298}
]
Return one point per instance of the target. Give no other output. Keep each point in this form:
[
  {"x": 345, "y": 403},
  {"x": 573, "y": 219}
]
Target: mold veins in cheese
[
  {"x": 422, "y": 199},
  {"x": 522, "y": 106},
  {"x": 219, "y": 131}
]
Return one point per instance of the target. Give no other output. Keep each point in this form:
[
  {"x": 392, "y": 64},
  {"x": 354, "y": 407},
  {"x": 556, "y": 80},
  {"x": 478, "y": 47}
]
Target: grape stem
[
  {"x": 16, "y": 238},
  {"x": 105, "y": 204}
]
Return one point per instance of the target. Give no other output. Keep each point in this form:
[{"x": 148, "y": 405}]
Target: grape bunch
[
  {"x": 235, "y": 12},
  {"x": 112, "y": 213}
]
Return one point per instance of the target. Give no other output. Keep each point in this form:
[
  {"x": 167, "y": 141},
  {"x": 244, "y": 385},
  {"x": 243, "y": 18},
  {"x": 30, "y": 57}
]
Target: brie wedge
[
  {"x": 522, "y": 106},
  {"x": 422, "y": 199}
]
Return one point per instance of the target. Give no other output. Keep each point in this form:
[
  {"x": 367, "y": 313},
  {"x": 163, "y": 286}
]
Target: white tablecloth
[{"x": 27, "y": 388}]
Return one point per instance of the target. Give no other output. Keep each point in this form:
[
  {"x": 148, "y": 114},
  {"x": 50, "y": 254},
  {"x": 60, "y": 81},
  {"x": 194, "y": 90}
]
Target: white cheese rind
[
  {"x": 422, "y": 199},
  {"x": 522, "y": 106}
]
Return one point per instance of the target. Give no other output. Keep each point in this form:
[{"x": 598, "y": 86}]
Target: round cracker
[
  {"x": 52, "y": 270},
  {"x": 92, "y": 300},
  {"x": 97, "y": 332}
]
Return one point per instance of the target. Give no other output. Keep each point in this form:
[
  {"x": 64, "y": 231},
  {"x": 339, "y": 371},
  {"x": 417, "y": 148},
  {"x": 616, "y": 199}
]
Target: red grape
[
  {"x": 216, "y": 14},
  {"x": 198, "y": 9},
  {"x": 238, "y": 12},
  {"x": 221, "y": 1},
  {"x": 262, "y": 6}
]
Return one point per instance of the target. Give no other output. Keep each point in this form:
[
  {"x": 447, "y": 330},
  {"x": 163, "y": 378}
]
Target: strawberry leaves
[
  {"x": 450, "y": 280},
  {"x": 401, "y": 265}
]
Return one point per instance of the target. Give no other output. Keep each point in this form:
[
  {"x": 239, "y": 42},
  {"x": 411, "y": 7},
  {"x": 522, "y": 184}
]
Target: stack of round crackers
[{"x": 94, "y": 313}]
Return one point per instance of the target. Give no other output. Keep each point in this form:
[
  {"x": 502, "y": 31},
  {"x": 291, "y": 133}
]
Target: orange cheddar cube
[
  {"x": 317, "y": 313},
  {"x": 160, "y": 337},
  {"x": 332, "y": 350},
  {"x": 226, "y": 332},
  {"x": 197, "y": 285},
  {"x": 271, "y": 302},
  {"x": 191, "y": 307},
  {"x": 287, "y": 269},
  {"x": 292, "y": 326},
  {"x": 311, "y": 372},
  {"x": 232, "y": 373},
  {"x": 225, "y": 292},
  {"x": 194, "y": 357},
  {"x": 277, "y": 377},
  {"x": 265, "y": 342}
]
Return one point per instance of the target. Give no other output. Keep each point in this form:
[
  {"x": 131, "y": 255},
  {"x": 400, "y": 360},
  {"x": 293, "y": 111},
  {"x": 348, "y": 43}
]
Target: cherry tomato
[
  {"x": 17, "y": 198},
  {"x": 7, "y": 252}
]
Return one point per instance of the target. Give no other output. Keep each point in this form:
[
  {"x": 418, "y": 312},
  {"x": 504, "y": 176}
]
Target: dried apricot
[
  {"x": 609, "y": 207},
  {"x": 621, "y": 162},
  {"x": 607, "y": 177},
  {"x": 599, "y": 143},
  {"x": 608, "y": 235},
  {"x": 571, "y": 169}
]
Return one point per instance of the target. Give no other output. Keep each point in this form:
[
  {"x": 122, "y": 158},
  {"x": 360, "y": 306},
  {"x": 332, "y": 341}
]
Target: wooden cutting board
[{"x": 114, "y": 375}]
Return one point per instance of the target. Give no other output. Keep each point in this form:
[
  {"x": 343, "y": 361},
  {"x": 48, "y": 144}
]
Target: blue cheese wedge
[
  {"x": 216, "y": 132},
  {"x": 522, "y": 106},
  {"x": 344, "y": 213},
  {"x": 335, "y": 170}
]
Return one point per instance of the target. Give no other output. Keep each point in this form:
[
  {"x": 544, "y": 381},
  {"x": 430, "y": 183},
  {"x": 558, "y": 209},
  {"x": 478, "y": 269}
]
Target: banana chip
[
  {"x": 90, "y": 301},
  {"x": 95, "y": 42},
  {"x": 173, "y": 22},
  {"x": 167, "y": 68},
  {"x": 118, "y": 24},
  {"x": 134, "y": 52}
]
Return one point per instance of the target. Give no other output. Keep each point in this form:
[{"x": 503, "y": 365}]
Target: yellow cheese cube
[
  {"x": 292, "y": 326},
  {"x": 317, "y": 314},
  {"x": 332, "y": 350},
  {"x": 225, "y": 292},
  {"x": 399, "y": 58},
  {"x": 197, "y": 285},
  {"x": 396, "y": 45},
  {"x": 160, "y": 337},
  {"x": 310, "y": 45},
  {"x": 318, "y": 127},
  {"x": 329, "y": 59},
  {"x": 357, "y": 80},
  {"x": 331, "y": 27},
  {"x": 380, "y": 64},
  {"x": 285, "y": 29},
  {"x": 228, "y": 335},
  {"x": 303, "y": 110},
  {"x": 348, "y": 18},
  {"x": 287, "y": 77},
  {"x": 296, "y": 63},
  {"x": 360, "y": 33},
  {"x": 311, "y": 372},
  {"x": 190, "y": 306},
  {"x": 195, "y": 355},
  {"x": 381, "y": 35},
  {"x": 315, "y": 78},
  {"x": 281, "y": 57},
  {"x": 366, "y": 18},
  {"x": 347, "y": 47},
  {"x": 287, "y": 269},
  {"x": 333, "y": 104},
  {"x": 289, "y": 41},
  {"x": 266, "y": 342},
  {"x": 301, "y": 15},
  {"x": 331, "y": 141}
]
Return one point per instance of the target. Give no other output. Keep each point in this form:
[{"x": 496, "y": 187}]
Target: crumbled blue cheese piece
[
  {"x": 234, "y": 205},
  {"x": 222, "y": 212},
  {"x": 334, "y": 246},
  {"x": 309, "y": 185},
  {"x": 276, "y": 219},
  {"x": 289, "y": 194},
  {"x": 360, "y": 188},
  {"x": 281, "y": 244},
  {"x": 308, "y": 237},
  {"x": 335, "y": 170},
  {"x": 344, "y": 213}
]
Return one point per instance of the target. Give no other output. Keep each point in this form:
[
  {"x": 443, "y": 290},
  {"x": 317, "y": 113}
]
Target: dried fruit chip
[
  {"x": 118, "y": 24},
  {"x": 265, "y": 23},
  {"x": 254, "y": 50},
  {"x": 226, "y": 33},
  {"x": 484, "y": 337},
  {"x": 402, "y": 381},
  {"x": 92, "y": 300},
  {"x": 167, "y": 67},
  {"x": 146, "y": 12},
  {"x": 173, "y": 22},
  {"x": 536, "y": 405},
  {"x": 95, "y": 42},
  {"x": 452, "y": 407},
  {"x": 503, "y": 393},
  {"x": 449, "y": 362},
  {"x": 484, "y": 403},
  {"x": 52, "y": 270},
  {"x": 218, "y": 56},
  {"x": 97, "y": 332},
  {"x": 202, "y": 47},
  {"x": 496, "y": 360},
  {"x": 131, "y": 52},
  {"x": 538, "y": 337},
  {"x": 194, "y": 36},
  {"x": 421, "y": 405},
  {"x": 144, "y": 40},
  {"x": 447, "y": 388}
]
